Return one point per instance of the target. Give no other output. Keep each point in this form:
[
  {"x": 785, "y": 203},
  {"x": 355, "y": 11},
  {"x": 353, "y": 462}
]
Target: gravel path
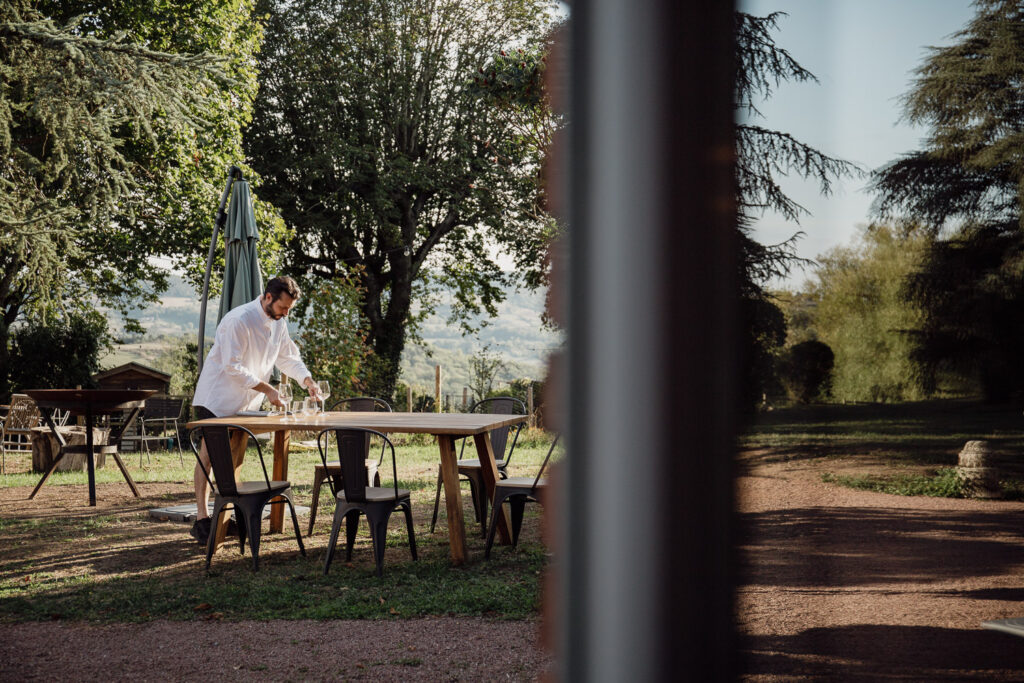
[
  {"x": 442, "y": 649},
  {"x": 840, "y": 584}
]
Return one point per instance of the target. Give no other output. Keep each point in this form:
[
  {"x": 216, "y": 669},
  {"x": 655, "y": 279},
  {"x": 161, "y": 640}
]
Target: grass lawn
[
  {"x": 907, "y": 448},
  {"x": 60, "y": 559}
]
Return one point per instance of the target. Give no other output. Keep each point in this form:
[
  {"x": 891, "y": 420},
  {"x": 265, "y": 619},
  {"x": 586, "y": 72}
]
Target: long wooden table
[{"x": 447, "y": 427}]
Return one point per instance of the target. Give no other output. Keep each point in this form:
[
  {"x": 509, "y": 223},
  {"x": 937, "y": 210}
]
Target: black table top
[{"x": 95, "y": 401}]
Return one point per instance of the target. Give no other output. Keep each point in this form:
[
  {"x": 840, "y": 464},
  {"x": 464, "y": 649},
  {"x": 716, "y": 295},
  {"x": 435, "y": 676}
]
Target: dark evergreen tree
[
  {"x": 761, "y": 155},
  {"x": 966, "y": 184}
]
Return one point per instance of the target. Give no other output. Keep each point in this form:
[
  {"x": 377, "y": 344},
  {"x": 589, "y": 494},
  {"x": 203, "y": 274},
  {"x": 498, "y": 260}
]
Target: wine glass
[
  {"x": 285, "y": 392},
  {"x": 309, "y": 406},
  {"x": 325, "y": 393}
]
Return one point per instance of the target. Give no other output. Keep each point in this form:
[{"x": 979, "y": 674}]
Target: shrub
[{"x": 806, "y": 370}]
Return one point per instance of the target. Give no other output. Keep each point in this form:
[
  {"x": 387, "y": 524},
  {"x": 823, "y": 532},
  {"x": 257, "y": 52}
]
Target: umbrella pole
[{"x": 233, "y": 173}]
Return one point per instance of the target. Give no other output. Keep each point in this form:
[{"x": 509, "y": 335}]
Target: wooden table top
[{"x": 459, "y": 424}]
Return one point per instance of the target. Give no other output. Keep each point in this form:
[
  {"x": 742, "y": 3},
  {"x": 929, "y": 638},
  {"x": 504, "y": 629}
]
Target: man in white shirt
[{"x": 250, "y": 340}]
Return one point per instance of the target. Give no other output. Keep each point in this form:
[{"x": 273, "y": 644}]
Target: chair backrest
[
  {"x": 163, "y": 408},
  {"x": 362, "y": 404},
  {"x": 218, "y": 448},
  {"x": 352, "y": 445},
  {"x": 500, "y": 405},
  {"x": 547, "y": 457},
  {"x": 23, "y": 414}
]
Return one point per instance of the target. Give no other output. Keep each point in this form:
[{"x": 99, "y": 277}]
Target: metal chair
[
  {"x": 247, "y": 498},
  {"x": 359, "y": 404},
  {"x": 470, "y": 468},
  {"x": 159, "y": 415},
  {"x": 16, "y": 427},
  {"x": 355, "y": 497},
  {"x": 518, "y": 491}
]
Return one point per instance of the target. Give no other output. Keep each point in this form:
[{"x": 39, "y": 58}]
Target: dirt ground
[
  {"x": 442, "y": 648},
  {"x": 835, "y": 584},
  {"x": 436, "y": 649},
  {"x": 839, "y": 584}
]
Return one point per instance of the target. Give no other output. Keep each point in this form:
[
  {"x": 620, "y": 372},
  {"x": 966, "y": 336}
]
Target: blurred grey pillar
[{"x": 647, "y": 576}]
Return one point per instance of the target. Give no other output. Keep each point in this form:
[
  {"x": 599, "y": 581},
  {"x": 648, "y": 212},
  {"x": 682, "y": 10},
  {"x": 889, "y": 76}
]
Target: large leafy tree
[
  {"x": 967, "y": 184},
  {"x": 383, "y": 154},
  {"x": 117, "y": 121},
  {"x": 762, "y": 155},
  {"x": 864, "y": 315}
]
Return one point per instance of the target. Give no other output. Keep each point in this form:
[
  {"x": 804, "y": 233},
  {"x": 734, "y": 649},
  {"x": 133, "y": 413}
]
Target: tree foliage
[
  {"x": 762, "y": 155},
  {"x": 484, "y": 368},
  {"x": 117, "y": 121},
  {"x": 805, "y": 370},
  {"x": 381, "y": 154},
  {"x": 64, "y": 351},
  {"x": 865, "y": 315},
  {"x": 332, "y": 334},
  {"x": 966, "y": 185}
]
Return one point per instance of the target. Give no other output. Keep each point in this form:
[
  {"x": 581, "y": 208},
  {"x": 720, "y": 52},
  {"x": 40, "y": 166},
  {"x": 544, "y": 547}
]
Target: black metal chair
[
  {"x": 355, "y": 497},
  {"x": 247, "y": 498},
  {"x": 359, "y": 404},
  {"x": 518, "y": 491},
  {"x": 470, "y": 468}
]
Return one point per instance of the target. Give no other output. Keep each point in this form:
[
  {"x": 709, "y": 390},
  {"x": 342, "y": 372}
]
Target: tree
[
  {"x": 762, "y": 154},
  {"x": 484, "y": 368},
  {"x": 966, "y": 185},
  {"x": 81, "y": 338},
  {"x": 806, "y": 370},
  {"x": 332, "y": 334},
  {"x": 381, "y": 155},
  {"x": 864, "y": 314},
  {"x": 113, "y": 142}
]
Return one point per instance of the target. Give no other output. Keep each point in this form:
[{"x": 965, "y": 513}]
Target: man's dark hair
[{"x": 282, "y": 284}]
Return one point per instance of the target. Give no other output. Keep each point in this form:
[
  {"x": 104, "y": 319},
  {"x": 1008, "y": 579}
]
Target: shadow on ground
[{"x": 876, "y": 652}]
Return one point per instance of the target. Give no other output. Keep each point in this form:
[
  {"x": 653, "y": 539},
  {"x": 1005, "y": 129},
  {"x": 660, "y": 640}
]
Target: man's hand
[
  {"x": 274, "y": 396},
  {"x": 313, "y": 388}
]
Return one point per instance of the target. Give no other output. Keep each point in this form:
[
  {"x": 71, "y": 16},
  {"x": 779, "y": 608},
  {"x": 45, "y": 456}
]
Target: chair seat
[
  {"x": 476, "y": 463},
  {"x": 336, "y": 466},
  {"x": 520, "y": 483},
  {"x": 380, "y": 494},
  {"x": 250, "y": 487}
]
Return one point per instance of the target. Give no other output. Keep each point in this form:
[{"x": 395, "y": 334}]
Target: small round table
[{"x": 89, "y": 403}]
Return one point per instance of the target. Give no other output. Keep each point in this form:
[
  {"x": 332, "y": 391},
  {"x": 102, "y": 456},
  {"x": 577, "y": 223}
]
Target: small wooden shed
[{"x": 134, "y": 376}]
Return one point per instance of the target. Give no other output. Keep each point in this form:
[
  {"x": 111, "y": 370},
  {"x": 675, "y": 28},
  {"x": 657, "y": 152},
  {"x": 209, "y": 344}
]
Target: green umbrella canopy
[{"x": 243, "y": 281}]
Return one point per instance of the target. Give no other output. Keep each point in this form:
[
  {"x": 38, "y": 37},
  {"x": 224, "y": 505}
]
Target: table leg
[
  {"x": 46, "y": 475},
  {"x": 124, "y": 471},
  {"x": 239, "y": 440},
  {"x": 89, "y": 456},
  {"x": 281, "y": 441},
  {"x": 60, "y": 453},
  {"x": 453, "y": 499},
  {"x": 489, "y": 471}
]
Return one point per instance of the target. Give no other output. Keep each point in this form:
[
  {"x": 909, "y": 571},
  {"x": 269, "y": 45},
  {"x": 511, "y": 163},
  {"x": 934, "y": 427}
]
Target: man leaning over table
[{"x": 250, "y": 340}]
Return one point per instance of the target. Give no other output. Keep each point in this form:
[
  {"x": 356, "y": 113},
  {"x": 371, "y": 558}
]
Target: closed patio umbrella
[{"x": 243, "y": 280}]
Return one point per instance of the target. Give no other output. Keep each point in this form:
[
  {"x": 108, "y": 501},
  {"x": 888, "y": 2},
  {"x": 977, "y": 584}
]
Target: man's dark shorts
[{"x": 202, "y": 413}]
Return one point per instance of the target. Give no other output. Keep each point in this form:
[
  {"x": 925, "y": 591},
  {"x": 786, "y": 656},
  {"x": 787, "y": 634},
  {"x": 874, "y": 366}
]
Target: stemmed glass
[
  {"x": 325, "y": 393},
  {"x": 285, "y": 392},
  {"x": 309, "y": 408}
]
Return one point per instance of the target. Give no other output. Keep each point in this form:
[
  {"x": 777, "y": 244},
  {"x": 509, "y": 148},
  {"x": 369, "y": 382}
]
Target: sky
[{"x": 864, "y": 53}]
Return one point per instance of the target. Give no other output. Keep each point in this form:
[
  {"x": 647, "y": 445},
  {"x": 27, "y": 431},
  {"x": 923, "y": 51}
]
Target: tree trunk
[{"x": 5, "y": 361}]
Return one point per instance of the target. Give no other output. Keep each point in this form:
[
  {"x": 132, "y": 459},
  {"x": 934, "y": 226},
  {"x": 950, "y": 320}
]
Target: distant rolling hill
[{"x": 515, "y": 334}]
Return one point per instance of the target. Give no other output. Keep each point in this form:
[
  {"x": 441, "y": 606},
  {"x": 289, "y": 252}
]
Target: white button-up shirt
[{"x": 247, "y": 346}]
